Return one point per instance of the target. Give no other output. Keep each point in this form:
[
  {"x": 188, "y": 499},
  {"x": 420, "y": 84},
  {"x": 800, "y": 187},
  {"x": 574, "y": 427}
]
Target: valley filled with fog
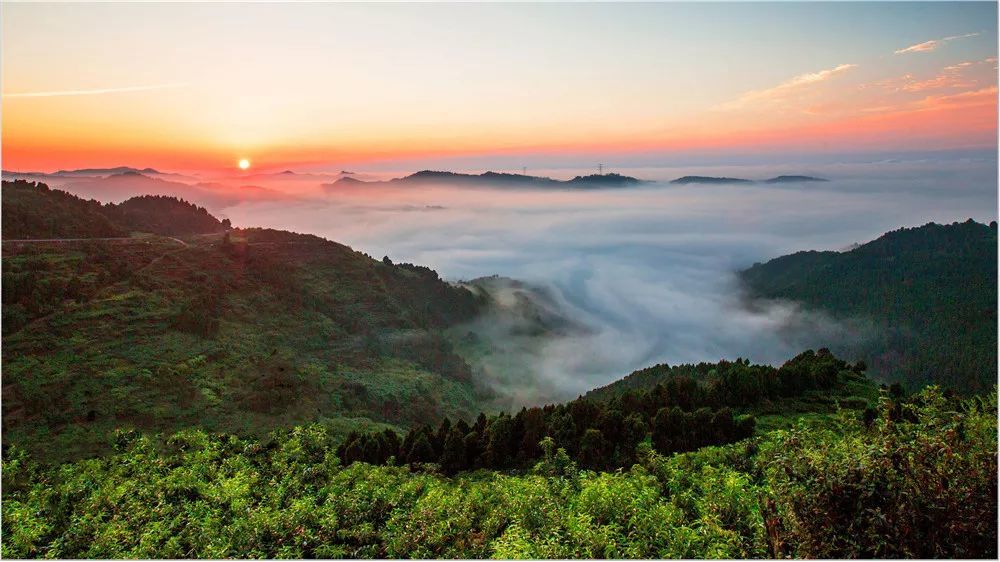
[
  {"x": 650, "y": 269},
  {"x": 645, "y": 274}
]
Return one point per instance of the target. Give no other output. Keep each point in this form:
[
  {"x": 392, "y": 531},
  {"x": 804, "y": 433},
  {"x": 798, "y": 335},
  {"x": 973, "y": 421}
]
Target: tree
[
  {"x": 497, "y": 454},
  {"x": 453, "y": 455},
  {"x": 634, "y": 431},
  {"x": 593, "y": 449},
  {"x": 421, "y": 451},
  {"x": 668, "y": 429},
  {"x": 473, "y": 449}
]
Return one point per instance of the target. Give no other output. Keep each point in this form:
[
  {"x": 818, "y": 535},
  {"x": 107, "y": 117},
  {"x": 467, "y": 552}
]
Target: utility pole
[{"x": 600, "y": 169}]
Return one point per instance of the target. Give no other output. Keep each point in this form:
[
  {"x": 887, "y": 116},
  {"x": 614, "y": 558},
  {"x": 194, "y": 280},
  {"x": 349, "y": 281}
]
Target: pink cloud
[
  {"x": 933, "y": 44},
  {"x": 786, "y": 89}
]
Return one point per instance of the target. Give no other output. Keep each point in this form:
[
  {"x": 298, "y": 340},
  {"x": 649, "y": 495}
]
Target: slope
[{"x": 929, "y": 295}]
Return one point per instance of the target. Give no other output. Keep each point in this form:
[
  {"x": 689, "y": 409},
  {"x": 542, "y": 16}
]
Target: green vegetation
[
  {"x": 193, "y": 390},
  {"x": 33, "y": 211},
  {"x": 168, "y": 216},
  {"x": 680, "y": 413},
  {"x": 927, "y": 297},
  {"x": 243, "y": 332},
  {"x": 916, "y": 478}
]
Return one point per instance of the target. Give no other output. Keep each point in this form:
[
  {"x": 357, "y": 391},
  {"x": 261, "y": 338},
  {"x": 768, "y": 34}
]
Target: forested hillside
[
  {"x": 242, "y": 332},
  {"x": 928, "y": 296},
  {"x": 33, "y": 211},
  {"x": 601, "y": 430},
  {"x": 168, "y": 216}
]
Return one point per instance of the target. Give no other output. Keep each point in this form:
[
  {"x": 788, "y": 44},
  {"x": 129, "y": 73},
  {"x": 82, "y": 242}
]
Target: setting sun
[{"x": 244, "y": 164}]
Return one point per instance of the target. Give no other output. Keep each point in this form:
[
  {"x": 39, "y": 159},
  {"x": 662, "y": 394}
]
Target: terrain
[
  {"x": 497, "y": 179},
  {"x": 245, "y": 330},
  {"x": 175, "y": 387},
  {"x": 926, "y": 297},
  {"x": 724, "y": 180},
  {"x": 915, "y": 478}
]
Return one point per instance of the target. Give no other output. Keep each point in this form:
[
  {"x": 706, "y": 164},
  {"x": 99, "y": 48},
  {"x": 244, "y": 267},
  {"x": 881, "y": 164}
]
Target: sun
[{"x": 244, "y": 164}]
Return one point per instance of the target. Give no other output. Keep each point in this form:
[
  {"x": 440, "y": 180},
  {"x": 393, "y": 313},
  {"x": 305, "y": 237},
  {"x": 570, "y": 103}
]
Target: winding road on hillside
[{"x": 116, "y": 239}]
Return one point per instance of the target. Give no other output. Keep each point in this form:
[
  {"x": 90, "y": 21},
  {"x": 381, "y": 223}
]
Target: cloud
[
  {"x": 646, "y": 273},
  {"x": 965, "y": 75},
  {"x": 933, "y": 44},
  {"x": 788, "y": 88},
  {"x": 94, "y": 92}
]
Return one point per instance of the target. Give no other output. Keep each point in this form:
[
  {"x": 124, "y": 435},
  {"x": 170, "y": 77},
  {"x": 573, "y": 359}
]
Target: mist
[
  {"x": 620, "y": 278},
  {"x": 640, "y": 275}
]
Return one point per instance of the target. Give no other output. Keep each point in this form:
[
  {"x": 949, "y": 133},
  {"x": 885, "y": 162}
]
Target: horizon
[{"x": 323, "y": 87}]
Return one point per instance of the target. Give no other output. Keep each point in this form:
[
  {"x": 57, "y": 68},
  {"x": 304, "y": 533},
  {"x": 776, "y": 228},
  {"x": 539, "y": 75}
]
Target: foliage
[
  {"x": 241, "y": 333},
  {"x": 165, "y": 215},
  {"x": 601, "y": 430},
  {"x": 32, "y": 210},
  {"x": 927, "y": 295},
  {"x": 920, "y": 480}
]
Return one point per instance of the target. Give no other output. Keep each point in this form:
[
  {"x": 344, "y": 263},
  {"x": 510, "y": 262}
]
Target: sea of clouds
[{"x": 649, "y": 270}]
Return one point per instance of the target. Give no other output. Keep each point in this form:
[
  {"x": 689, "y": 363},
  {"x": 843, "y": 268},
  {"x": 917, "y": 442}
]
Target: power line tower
[
  {"x": 600, "y": 169},
  {"x": 524, "y": 170}
]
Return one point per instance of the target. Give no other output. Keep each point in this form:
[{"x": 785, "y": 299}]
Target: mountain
[
  {"x": 164, "y": 215},
  {"x": 32, "y": 210},
  {"x": 243, "y": 332},
  {"x": 927, "y": 295},
  {"x": 603, "y": 180},
  {"x": 708, "y": 179},
  {"x": 124, "y": 183},
  {"x": 794, "y": 179},
  {"x": 91, "y": 172},
  {"x": 722, "y": 180},
  {"x": 497, "y": 179}
]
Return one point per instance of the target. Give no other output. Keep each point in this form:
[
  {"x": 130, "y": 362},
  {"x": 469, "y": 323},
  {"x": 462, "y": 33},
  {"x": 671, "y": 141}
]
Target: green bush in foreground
[{"x": 919, "y": 480}]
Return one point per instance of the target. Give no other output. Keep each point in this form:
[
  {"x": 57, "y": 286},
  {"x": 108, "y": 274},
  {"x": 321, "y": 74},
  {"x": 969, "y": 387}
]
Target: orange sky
[{"x": 189, "y": 88}]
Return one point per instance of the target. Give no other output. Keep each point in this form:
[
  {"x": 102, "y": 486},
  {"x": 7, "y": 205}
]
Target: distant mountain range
[
  {"x": 724, "y": 180},
  {"x": 496, "y": 179}
]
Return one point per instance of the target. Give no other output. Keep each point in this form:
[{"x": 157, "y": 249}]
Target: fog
[
  {"x": 641, "y": 275},
  {"x": 616, "y": 279}
]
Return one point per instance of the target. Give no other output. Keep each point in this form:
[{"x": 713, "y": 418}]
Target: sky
[{"x": 197, "y": 87}]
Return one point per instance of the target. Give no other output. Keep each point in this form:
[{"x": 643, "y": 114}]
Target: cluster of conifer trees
[
  {"x": 681, "y": 412},
  {"x": 594, "y": 435}
]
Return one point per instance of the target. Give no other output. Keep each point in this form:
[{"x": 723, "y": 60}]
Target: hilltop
[
  {"x": 708, "y": 179},
  {"x": 497, "y": 179},
  {"x": 723, "y": 180},
  {"x": 34, "y": 211},
  {"x": 246, "y": 331},
  {"x": 794, "y": 179},
  {"x": 928, "y": 296}
]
